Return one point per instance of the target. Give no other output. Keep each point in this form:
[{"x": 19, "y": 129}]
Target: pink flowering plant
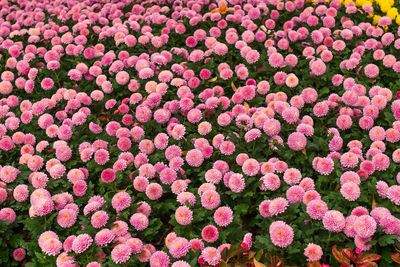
[{"x": 183, "y": 133}]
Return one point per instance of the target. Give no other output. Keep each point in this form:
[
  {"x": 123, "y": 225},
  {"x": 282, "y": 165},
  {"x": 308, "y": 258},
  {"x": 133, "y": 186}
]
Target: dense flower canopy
[{"x": 165, "y": 133}]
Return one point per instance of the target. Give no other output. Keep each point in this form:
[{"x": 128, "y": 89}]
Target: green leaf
[
  {"x": 241, "y": 209},
  {"x": 386, "y": 255},
  {"x": 387, "y": 240}
]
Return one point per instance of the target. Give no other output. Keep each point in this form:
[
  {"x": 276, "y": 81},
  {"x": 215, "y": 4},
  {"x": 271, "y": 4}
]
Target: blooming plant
[
  {"x": 396, "y": 256},
  {"x": 165, "y": 132},
  {"x": 346, "y": 257}
]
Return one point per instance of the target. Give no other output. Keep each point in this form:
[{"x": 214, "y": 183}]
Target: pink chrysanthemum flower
[
  {"x": 20, "y": 192},
  {"x": 313, "y": 252},
  {"x": 194, "y": 157},
  {"x": 295, "y": 194},
  {"x": 210, "y": 233},
  {"x": 349, "y": 226},
  {"x": 359, "y": 211},
  {"x": 179, "y": 247},
  {"x": 334, "y": 221},
  {"x": 318, "y": 67},
  {"x": 51, "y": 246},
  {"x": 66, "y": 218},
  {"x": 104, "y": 237},
  {"x": 297, "y": 141},
  {"x": 349, "y": 160},
  {"x": 154, "y": 191},
  {"x": 278, "y": 206},
  {"x": 371, "y": 71},
  {"x": 381, "y": 162},
  {"x": 281, "y": 234},
  {"x": 186, "y": 197},
  {"x": 101, "y": 156},
  {"x": 135, "y": 244},
  {"x": 350, "y": 191},
  {"x": 121, "y": 253},
  {"x": 393, "y": 193},
  {"x": 120, "y": 228},
  {"x": 323, "y": 165},
  {"x": 271, "y": 182},
  {"x": 213, "y": 176},
  {"x": 292, "y": 176},
  {"x": 139, "y": 221},
  {"x": 180, "y": 264},
  {"x": 19, "y": 254},
  {"x": 210, "y": 199},
  {"x": 121, "y": 201},
  {"x": 365, "y": 226},
  {"x": 159, "y": 259},
  {"x": 99, "y": 219},
  {"x": 211, "y": 255},
  {"x": 361, "y": 243},
  {"x": 264, "y": 208},
  {"x": 251, "y": 167},
  {"x": 183, "y": 215},
  {"x": 291, "y": 115},
  {"x": 317, "y": 209},
  {"x": 236, "y": 183},
  {"x": 223, "y": 216}
]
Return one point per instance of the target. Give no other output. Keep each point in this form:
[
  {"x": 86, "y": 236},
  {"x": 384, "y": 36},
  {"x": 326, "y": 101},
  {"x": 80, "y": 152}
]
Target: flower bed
[{"x": 186, "y": 133}]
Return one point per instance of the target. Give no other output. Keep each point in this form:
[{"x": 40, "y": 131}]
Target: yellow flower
[
  {"x": 347, "y": 1},
  {"x": 398, "y": 19},
  {"x": 385, "y": 6},
  {"x": 223, "y": 9},
  {"x": 375, "y": 19},
  {"x": 392, "y": 13},
  {"x": 360, "y": 2}
]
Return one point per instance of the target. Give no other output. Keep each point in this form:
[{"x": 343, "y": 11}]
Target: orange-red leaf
[
  {"x": 348, "y": 253},
  {"x": 368, "y": 264},
  {"x": 235, "y": 252},
  {"x": 395, "y": 257},
  {"x": 213, "y": 79},
  {"x": 314, "y": 264},
  {"x": 233, "y": 87},
  {"x": 247, "y": 107},
  {"x": 369, "y": 258},
  {"x": 374, "y": 203},
  {"x": 339, "y": 256},
  {"x": 103, "y": 118},
  {"x": 276, "y": 261},
  {"x": 257, "y": 263},
  {"x": 337, "y": 187},
  {"x": 251, "y": 255}
]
